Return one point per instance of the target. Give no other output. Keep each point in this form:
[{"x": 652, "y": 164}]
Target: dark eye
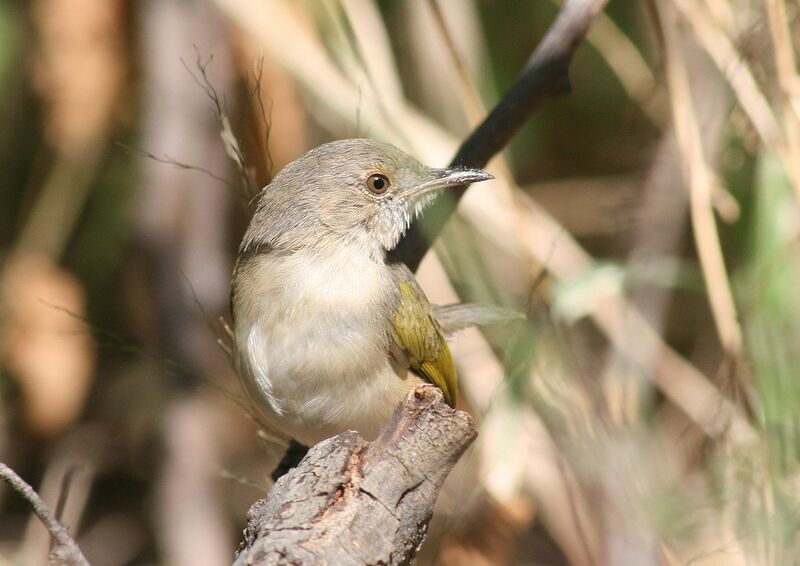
[{"x": 378, "y": 184}]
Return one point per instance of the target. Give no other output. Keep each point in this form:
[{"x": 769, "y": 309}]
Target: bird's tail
[{"x": 457, "y": 317}]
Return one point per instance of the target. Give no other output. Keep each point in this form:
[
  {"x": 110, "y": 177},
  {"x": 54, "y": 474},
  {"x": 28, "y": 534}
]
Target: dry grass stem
[
  {"x": 376, "y": 50},
  {"x": 59, "y": 203},
  {"x": 723, "y": 52},
  {"x": 628, "y": 65},
  {"x": 789, "y": 83},
  {"x": 468, "y": 95},
  {"x": 475, "y": 111},
  {"x": 703, "y": 184},
  {"x": 722, "y": 11}
]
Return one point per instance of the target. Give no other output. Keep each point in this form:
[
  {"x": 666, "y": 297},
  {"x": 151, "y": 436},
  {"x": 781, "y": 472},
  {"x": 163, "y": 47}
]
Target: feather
[
  {"x": 418, "y": 334},
  {"x": 460, "y": 316}
]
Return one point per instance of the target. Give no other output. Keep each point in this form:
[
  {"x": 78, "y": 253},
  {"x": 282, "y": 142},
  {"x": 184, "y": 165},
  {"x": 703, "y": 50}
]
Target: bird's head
[{"x": 359, "y": 191}]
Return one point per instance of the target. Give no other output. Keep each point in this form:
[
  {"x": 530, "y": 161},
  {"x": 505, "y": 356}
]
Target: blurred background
[{"x": 647, "y": 224}]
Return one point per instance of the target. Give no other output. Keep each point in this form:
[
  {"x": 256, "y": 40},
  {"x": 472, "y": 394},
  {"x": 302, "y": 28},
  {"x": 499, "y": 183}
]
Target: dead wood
[{"x": 356, "y": 502}]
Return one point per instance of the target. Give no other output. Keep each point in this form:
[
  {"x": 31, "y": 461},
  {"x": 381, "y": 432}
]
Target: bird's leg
[{"x": 294, "y": 454}]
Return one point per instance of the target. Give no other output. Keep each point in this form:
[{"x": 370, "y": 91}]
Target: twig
[
  {"x": 121, "y": 345},
  {"x": 545, "y": 75},
  {"x": 220, "y": 109},
  {"x": 220, "y": 103},
  {"x": 168, "y": 160},
  {"x": 66, "y": 550},
  {"x": 257, "y": 77}
]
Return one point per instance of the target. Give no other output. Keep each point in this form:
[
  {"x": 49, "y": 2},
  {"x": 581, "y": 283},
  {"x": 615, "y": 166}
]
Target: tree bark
[{"x": 355, "y": 502}]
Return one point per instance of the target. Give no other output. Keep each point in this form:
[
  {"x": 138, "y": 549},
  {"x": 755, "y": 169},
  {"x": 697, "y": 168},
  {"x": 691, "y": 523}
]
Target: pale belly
[
  {"x": 313, "y": 350},
  {"x": 311, "y": 387}
]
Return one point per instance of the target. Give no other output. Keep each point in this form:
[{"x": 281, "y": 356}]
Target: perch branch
[
  {"x": 353, "y": 502},
  {"x": 546, "y": 74},
  {"x": 66, "y": 550}
]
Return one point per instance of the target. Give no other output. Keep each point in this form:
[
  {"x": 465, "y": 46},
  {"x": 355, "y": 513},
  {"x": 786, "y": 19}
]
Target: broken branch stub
[{"x": 354, "y": 502}]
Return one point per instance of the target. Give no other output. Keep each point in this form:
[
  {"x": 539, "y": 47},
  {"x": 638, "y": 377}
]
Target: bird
[{"x": 331, "y": 331}]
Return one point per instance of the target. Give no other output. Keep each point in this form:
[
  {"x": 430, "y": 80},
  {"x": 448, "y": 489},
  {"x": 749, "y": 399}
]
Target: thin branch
[
  {"x": 168, "y": 160},
  {"x": 121, "y": 345},
  {"x": 66, "y": 550},
  {"x": 220, "y": 104},
  {"x": 231, "y": 144},
  {"x": 257, "y": 76},
  {"x": 545, "y": 75},
  {"x": 220, "y": 109}
]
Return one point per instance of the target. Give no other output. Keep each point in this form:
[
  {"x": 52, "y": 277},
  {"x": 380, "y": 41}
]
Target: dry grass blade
[
  {"x": 723, "y": 52},
  {"x": 628, "y": 64},
  {"x": 702, "y": 183},
  {"x": 723, "y": 13},
  {"x": 788, "y": 81},
  {"x": 474, "y": 109},
  {"x": 630, "y": 333},
  {"x": 379, "y": 63},
  {"x": 470, "y": 100},
  {"x": 275, "y": 26}
]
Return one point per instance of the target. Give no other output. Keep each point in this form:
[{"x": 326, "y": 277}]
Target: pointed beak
[{"x": 444, "y": 178}]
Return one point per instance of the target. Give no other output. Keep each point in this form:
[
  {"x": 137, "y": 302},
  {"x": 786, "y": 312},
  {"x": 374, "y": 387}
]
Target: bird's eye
[{"x": 378, "y": 184}]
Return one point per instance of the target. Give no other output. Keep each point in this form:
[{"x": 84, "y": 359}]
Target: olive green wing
[{"x": 419, "y": 335}]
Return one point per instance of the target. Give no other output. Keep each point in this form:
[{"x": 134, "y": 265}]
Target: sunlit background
[{"x": 648, "y": 226}]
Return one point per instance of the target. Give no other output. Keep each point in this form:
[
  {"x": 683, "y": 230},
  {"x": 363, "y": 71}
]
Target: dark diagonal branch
[
  {"x": 352, "y": 502},
  {"x": 546, "y": 74},
  {"x": 65, "y": 550}
]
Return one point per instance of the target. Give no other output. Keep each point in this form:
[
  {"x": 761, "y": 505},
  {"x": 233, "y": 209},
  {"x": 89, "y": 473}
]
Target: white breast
[{"x": 313, "y": 346}]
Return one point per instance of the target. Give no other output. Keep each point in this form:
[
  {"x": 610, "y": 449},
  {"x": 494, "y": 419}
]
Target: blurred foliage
[{"x": 593, "y": 448}]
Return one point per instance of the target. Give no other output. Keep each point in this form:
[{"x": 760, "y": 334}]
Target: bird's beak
[{"x": 445, "y": 178}]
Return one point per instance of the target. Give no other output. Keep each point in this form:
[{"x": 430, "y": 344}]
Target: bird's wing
[{"x": 418, "y": 334}]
